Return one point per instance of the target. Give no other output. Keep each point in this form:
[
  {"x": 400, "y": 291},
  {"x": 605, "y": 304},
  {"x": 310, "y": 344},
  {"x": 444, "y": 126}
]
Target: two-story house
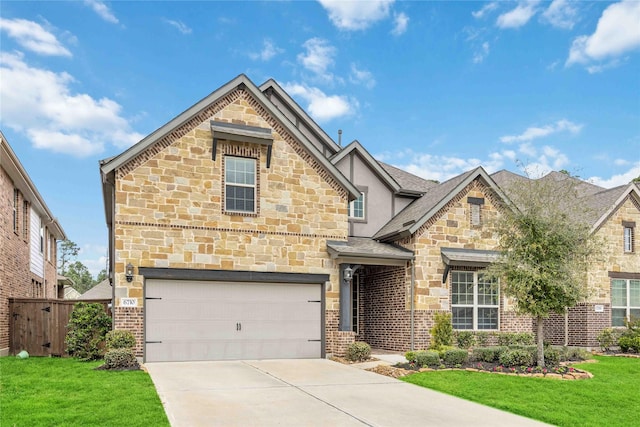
[
  {"x": 240, "y": 229},
  {"x": 28, "y": 236}
]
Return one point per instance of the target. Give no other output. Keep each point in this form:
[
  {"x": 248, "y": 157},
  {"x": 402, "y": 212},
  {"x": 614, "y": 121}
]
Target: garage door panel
[{"x": 188, "y": 320}]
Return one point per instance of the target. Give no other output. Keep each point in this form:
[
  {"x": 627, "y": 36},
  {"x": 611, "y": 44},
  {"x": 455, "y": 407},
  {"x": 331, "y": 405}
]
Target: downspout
[{"x": 413, "y": 274}]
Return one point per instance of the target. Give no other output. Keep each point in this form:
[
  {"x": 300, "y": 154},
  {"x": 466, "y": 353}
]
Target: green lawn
[
  {"x": 611, "y": 397},
  {"x": 43, "y": 391}
]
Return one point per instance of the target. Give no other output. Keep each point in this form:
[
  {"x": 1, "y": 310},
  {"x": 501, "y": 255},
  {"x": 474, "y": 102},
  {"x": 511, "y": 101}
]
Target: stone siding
[{"x": 169, "y": 209}]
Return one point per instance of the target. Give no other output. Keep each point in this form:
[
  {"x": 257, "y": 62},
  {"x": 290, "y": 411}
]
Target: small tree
[
  {"x": 546, "y": 246},
  {"x": 68, "y": 252},
  {"x": 442, "y": 331},
  {"x": 81, "y": 276},
  {"x": 87, "y": 329}
]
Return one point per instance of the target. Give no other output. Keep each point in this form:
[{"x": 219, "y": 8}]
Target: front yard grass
[
  {"x": 43, "y": 391},
  {"x": 610, "y": 398}
]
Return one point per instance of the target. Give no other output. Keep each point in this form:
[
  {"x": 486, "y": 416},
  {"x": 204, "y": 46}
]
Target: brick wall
[
  {"x": 14, "y": 262},
  {"x": 584, "y": 325},
  {"x": 131, "y": 319}
]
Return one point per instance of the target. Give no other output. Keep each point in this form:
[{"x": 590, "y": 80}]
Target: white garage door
[{"x": 189, "y": 320}]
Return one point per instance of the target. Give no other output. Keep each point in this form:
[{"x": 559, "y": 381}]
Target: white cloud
[
  {"x": 95, "y": 265},
  {"x": 481, "y": 54},
  {"x": 400, "y": 23},
  {"x": 322, "y": 107},
  {"x": 40, "y": 104},
  {"x": 619, "y": 179},
  {"x": 179, "y": 25},
  {"x": 621, "y": 162},
  {"x": 489, "y": 7},
  {"x": 102, "y": 10},
  {"x": 534, "y": 132},
  {"x": 362, "y": 77},
  {"x": 318, "y": 58},
  {"x": 519, "y": 16},
  {"x": 561, "y": 14},
  {"x": 32, "y": 36},
  {"x": 617, "y": 32},
  {"x": 269, "y": 50},
  {"x": 356, "y": 15}
]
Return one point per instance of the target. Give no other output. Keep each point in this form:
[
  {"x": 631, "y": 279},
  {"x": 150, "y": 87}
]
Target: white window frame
[
  {"x": 228, "y": 184},
  {"x": 628, "y": 239},
  {"x": 16, "y": 200},
  {"x": 475, "y": 305},
  {"x": 627, "y": 307},
  {"x": 352, "y": 208}
]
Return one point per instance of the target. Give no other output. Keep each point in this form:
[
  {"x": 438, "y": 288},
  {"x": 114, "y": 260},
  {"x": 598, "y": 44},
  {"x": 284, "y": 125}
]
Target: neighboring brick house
[
  {"x": 240, "y": 229},
  {"x": 28, "y": 236}
]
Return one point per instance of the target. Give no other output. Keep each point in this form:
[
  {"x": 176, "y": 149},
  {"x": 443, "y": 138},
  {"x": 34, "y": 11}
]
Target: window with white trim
[
  {"x": 628, "y": 239},
  {"x": 25, "y": 220},
  {"x": 240, "y": 184},
  {"x": 15, "y": 209},
  {"x": 625, "y": 300},
  {"x": 475, "y": 301},
  {"x": 357, "y": 207}
]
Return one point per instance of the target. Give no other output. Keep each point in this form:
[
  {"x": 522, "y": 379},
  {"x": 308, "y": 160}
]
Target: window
[
  {"x": 625, "y": 300},
  {"x": 42, "y": 240},
  {"x": 356, "y": 207},
  {"x": 240, "y": 184},
  {"x": 25, "y": 220},
  {"x": 628, "y": 239},
  {"x": 474, "y": 301},
  {"x": 15, "y": 209}
]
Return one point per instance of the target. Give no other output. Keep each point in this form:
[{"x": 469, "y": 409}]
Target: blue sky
[{"x": 433, "y": 87}]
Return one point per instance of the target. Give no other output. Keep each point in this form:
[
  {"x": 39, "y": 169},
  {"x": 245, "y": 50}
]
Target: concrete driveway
[{"x": 310, "y": 392}]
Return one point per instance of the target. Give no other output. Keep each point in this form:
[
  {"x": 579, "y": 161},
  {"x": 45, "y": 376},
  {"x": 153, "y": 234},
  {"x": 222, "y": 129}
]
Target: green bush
[
  {"x": 87, "y": 328},
  {"x": 629, "y": 343},
  {"x": 551, "y": 357},
  {"x": 515, "y": 338},
  {"x": 120, "y": 358},
  {"x": 487, "y": 354},
  {"x": 482, "y": 338},
  {"x": 571, "y": 353},
  {"x": 358, "y": 351},
  {"x": 608, "y": 338},
  {"x": 442, "y": 349},
  {"x": 455, "y": 356},
  {"x": 465, "y": 339},
  {"x": 427, "y": 358},
  {"x": 410, "y": 356},
  {"x": 442, "y": 331},
  {"x": 516, "y": 357},
  {"x": 120, "y": 339}
]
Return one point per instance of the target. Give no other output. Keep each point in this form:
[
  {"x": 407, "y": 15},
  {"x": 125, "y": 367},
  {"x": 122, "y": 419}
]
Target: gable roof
[
  {"x": 370, "y": 161},
  {"x": 272, "y": 85},
  {"x": 21, "y": 180},
  {"x": 608, "y": 201},
  {"x": 408, "y": 181},
  {"x": 411, "y": 218},
  {"x": 102, "y": 290}
]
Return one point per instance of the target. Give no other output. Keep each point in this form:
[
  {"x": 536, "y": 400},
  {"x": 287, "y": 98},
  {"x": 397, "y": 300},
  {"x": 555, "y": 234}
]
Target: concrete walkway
[{"x": 309, "y": 392}]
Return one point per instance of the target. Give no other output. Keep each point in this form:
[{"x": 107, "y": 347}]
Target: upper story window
[
  {"x": 41, "y": 240},
  {"x": 240, "y": 184},
  {"x": 357, "y": 207},
  {"x": 475, "y": 301},
  {"x": 628, "y": 236},
  {"x": 625, "y": 300},
  {"x": 25, "y": 220},
  {"x": 15, "y": 209},
  {"x": 475, "y": 205}
]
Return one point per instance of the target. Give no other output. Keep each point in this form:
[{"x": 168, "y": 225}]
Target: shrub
[
  {"x": 629, "y": 343},
  {"x": 482, "y": 338},
  {"x": 358, "y": 351},
  {"x": 515, "y": 338},
  {"x": 487, "y": 354},
  {"x": 571, "y": 353},
  {"x": 427, "y": 358},
  {"x": 120, "y": 358},
  {"x": 87, "y": 328},
  {"x": 516, "y": 357},
  {"x": 410, "y": 356},
  {"x": 455, "y": 356},
  {"x": 120, "y": 339},
  {"x": 465, "y": 339},
  {"x": 551, "y": 357},
  {"x": 442, "y": 349},
  {"x": 608, "y": 338},
  {"x": 442, "y": 331}
]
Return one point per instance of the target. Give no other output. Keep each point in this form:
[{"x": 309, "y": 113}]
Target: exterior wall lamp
[
  {"x": 129, "y": 272},
  {"x": 348, "y": 274}
]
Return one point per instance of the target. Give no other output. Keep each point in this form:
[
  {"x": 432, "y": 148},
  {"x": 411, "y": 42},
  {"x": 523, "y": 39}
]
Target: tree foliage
[
  {"x": 81, "y": 276},
  {"x": 546, "y": 246},
  {"x": 66, "y": 255},
  {"x": 87, "y": 328}
]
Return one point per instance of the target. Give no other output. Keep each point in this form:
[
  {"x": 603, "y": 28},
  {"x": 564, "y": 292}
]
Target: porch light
[
  {"x": 348, "y": 273},
  {"x": 129, "y": 272}
]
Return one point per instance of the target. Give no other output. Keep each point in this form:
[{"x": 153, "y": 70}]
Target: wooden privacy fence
[{"x": 40, "y": 325}]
